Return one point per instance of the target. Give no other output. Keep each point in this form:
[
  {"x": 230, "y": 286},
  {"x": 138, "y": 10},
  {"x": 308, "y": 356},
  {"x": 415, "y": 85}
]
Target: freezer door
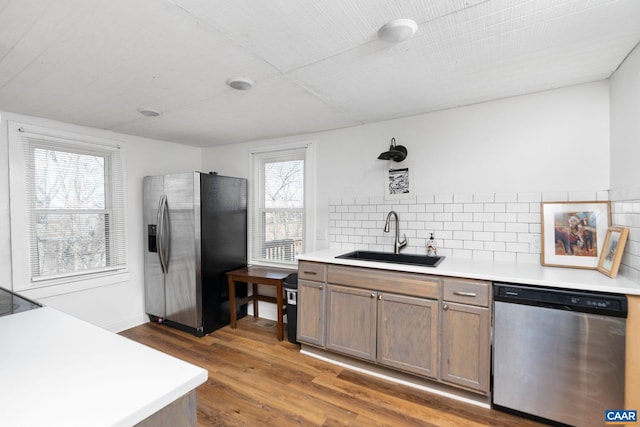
[
  {"x": 154, "y": 297},
  {"x": 182, "y": 282}
]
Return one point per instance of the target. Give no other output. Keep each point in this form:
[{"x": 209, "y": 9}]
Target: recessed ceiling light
[
  {"x": 398, "y": 30},
  {"x": 240, "y": 83},
  {"x": 149, "y": 112}
]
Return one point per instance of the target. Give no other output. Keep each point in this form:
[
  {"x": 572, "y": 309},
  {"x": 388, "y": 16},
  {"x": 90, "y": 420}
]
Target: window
[
  {"x": 280, "y": 209},
  {"x": 69, "y": 206}
]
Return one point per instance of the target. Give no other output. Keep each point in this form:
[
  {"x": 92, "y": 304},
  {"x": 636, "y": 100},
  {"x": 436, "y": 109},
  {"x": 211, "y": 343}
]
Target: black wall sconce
[{"x": 397, "y": 153}]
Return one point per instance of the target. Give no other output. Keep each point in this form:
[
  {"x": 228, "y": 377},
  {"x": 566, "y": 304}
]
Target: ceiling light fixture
[
  {"x": 398, "y": 30},
  {"x": 149, "y": 112},
  {"x": 240, "y": 83}
]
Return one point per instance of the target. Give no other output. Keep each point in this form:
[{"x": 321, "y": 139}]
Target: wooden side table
[{"x": 258, "y": 275}]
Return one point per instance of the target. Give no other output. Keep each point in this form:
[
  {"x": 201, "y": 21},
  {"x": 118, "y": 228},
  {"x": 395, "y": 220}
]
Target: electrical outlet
[{"x": 321, "y": 234}]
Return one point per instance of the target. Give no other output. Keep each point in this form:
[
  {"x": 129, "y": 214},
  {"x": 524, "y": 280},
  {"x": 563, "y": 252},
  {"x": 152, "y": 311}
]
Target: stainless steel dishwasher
[{"x": 558, "y": 354}]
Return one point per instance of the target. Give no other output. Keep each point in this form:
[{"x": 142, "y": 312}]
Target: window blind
[
  {"x": 75, "y": 203},
  {"x": 278, "y": 214}
]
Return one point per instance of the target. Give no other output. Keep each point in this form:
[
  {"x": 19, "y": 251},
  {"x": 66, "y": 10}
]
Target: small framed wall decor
[
  {"x": 612, "y": 251},
  {"x": 397, "y": 184},
  {"x": 573, "y": 233}
]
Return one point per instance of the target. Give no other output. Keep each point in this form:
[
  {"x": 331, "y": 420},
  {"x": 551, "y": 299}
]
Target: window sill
[{"x": 75, "y": 284}]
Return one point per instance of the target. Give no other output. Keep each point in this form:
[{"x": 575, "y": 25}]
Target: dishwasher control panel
[{"x": 591, "y": 302}]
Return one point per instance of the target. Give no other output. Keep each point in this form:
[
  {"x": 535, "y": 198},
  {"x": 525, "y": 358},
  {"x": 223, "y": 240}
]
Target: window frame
[
  {"x": 23, "y": 214},
  {"x": 257, "y": 158}
]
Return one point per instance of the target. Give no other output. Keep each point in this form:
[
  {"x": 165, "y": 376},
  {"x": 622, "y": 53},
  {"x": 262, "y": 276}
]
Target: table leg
[
  {"x": 280, "y": 302},
  {"x": 232, "y": 302},
  {"x": 255, "y": 299}
]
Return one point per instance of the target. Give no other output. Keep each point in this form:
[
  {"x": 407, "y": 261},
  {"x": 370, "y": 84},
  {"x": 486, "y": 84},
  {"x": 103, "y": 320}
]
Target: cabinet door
[
  {"x": 310, "y": 327},
  {"x": 351, "y": 321},
  {"x": 465, "y": 346},
  {"x": 408, "y": 334}
]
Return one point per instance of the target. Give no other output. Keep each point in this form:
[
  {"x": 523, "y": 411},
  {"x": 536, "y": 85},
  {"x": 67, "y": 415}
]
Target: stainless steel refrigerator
[{"x": 195, "y": 232}]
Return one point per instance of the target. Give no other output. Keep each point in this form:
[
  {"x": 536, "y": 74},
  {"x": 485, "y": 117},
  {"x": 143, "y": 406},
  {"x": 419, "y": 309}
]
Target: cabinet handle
[
  {"x": 379, "y": 297},
  {"x": 445, "y": 307},
  {"x": 311, "y": 273},
  {"x": 373, "y": 294},
  {"x": 465, "y": 294}
]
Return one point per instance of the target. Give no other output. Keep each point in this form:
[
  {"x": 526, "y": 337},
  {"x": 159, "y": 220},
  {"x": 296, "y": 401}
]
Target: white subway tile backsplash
[
  {"x": 582, "y": 196},
  {"x": 474, "y": 245},
  {"x": 453, "y": 207},
  {"x": 462, "y": 198},
  {"x": 473, "y": 226},
  {"x": 555, "y": 196},
  {"x": 506, "y": 237},
  {"x": 495, "y": 207},
  {"x": 528, "y": 218},
  {"x": 443, "y": 198},
  {"x": 506, "y": 197},
  {"x": 529, "y": 197},
  {"x": 484, "y": 198},
  {"x": 518, "y": 207},
  {"x": 483, "y": 217},
  {"x": 487, "y": 226},
  {"x": 494, "y": 226},
  {"x": 506, "y": 217},
  {"x": 463, "y": 217},
  {"x": 426, "y": 199},
  {"x": 517, "y": 227},
  {"x": 504, "y": 256}
]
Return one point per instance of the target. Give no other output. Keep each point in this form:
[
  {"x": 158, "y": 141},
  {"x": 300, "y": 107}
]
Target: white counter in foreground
[
  {"x": 523, "y": 273},
  {"x": 56, "y": 370}
]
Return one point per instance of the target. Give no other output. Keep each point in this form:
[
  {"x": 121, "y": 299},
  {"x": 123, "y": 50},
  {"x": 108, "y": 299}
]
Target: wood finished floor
[{"x": 255, "y": 380}]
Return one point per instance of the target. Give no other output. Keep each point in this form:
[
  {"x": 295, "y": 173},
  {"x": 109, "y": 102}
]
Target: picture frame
[
  {"x": 573, "y": 233},
  {"x": 398, "y": 183},
  {"x": 612, "y": 251}
]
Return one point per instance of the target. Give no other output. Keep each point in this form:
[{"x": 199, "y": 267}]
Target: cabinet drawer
[
  {"x": 311, "y": 271},
  {"x": 471, "y": 292},
  {"x": 413, "y": 284}
]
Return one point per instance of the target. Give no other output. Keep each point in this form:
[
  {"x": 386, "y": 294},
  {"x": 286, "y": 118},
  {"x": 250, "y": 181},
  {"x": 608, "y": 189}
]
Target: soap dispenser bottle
[{"x": 432, "y": 249}]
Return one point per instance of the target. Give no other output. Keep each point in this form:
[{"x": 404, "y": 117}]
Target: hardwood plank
[{"x": 254, "y": 379}]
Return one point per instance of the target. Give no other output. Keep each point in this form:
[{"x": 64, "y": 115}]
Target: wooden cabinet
[
  {"x": 465, "y": 337},
  {"x": 408, "y": 334},
  {"x": 351, "y": 321},
  {"x": 311, "y": 312},
  {"x": 311, "y": 303},
  {"x": 438, "y": 328}
]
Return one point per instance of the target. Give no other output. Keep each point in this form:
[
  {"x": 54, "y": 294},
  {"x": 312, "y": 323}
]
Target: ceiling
[{"x": 317, "y": 65}]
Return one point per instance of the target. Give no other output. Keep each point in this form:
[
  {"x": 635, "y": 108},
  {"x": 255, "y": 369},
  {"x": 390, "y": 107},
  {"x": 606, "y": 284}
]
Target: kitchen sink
[{"x": 426, "y": 261}]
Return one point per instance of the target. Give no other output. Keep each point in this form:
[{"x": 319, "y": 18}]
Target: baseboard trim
[{"x": 398, "y": 377}]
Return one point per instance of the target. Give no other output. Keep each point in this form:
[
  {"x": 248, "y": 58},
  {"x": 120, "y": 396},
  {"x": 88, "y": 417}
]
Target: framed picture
[
  {"x": 612, "y": 251},
  {"x": 573, "y": 233},
  {"x": 398, "y": 184}
]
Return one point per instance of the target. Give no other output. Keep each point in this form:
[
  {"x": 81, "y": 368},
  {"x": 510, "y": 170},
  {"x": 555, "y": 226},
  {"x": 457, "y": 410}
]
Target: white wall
[
  {"x": 114, "y": 307},
  {"x": 625, "y": 122},
  {"x": 625, "y": 154},
  {"x": 543, "y": 142}
]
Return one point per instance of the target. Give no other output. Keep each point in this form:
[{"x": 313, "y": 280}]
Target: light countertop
[
  {"x": 522, "y": 273},
  {"x": 56, "y": 370}
]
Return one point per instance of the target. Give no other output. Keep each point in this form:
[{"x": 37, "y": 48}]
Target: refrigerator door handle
[
  {"x": 166, "y": 234},
  {"x": 160, "y": 233}
]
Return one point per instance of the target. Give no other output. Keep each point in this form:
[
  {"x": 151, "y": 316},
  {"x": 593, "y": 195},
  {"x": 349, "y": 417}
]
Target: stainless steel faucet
[{"x": 397, "y": 244}]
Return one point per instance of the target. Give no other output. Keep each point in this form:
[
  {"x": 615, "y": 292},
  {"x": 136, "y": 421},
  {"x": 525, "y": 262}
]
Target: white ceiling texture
[{"x": 316, "y": 64}]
